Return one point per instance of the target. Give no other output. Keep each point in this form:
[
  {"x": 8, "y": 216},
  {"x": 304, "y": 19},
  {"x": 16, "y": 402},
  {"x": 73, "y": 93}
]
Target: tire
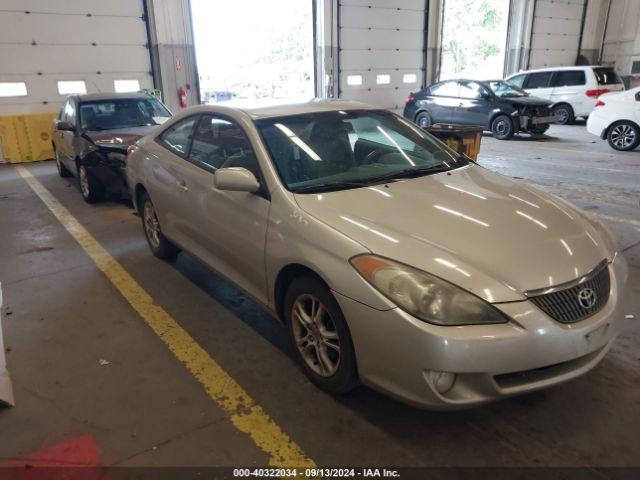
[
  {"x": 315, "y": 341},
  {"x": 423, "y": 120},
  {"x": 91, "y": 188},
  {"x": 623, "y": 136},
  {"x": 159, "y": 245},
  {"x": 539, "y": 130},
  {"x": 564, "y": 114},
  {"x": 62, "y": 170},
  {"x": 502, "y": 127}
]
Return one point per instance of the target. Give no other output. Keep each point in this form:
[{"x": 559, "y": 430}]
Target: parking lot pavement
[{"x": 145, "y": 408}]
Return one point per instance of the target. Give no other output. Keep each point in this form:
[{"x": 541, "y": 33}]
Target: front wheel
[
  {"x": 502, "y": 127},
  {"x": 623, "y": 136},
  {"x": 90, "y": 187},
  {"x": 159, "y": 245},
  {"x": 320, "y": 335}
]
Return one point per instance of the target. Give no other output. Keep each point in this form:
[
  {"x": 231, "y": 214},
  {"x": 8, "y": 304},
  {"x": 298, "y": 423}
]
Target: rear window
[
  {"x": 607, "y": 76},
  {"x": 568, "y": 78}
]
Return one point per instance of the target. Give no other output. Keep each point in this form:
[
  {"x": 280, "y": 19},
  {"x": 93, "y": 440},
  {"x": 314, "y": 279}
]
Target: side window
[
  {"x": 445, "y": 89},
  {"x": 177, "y": 137},
  {"x": 219, "y": 143},
  {"x": 518, "y": 80},
  {"x": 470, "y": 90},
  {"x": 568, "y": 78},
  {"x": 538, "y": 80}
]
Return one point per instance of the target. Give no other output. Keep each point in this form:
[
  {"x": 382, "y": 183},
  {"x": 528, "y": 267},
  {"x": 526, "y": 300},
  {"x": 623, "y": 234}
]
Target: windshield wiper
[
  {"x": 326, "y": 187},
  {"x": 409, "y": 173}
]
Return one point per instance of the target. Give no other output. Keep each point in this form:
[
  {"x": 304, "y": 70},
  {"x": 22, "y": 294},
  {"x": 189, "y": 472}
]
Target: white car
[
  {"x": 574, "y": 91},
  {"x": 616, "y": 118}
]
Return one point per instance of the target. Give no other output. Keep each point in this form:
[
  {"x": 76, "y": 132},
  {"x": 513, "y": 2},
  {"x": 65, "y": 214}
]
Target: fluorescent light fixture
[
  {"x": 70, "y": 87},
  {"x": 13, "y": 89},
  {"x": 124, "y": 86}
]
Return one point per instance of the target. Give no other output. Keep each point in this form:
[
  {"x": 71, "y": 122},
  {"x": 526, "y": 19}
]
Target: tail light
[
  {"x": 131, "y": 149},
  {"x": 409, "y": 99},
  {"x": 599, "y": 103},
  {"x": 596, "y": 93}
]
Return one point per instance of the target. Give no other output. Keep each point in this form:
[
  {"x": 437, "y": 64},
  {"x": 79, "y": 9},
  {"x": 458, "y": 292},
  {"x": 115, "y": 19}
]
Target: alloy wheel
[
  {"x": 151, "y": 225},
  {"x": 623, "y": 136},
  {"x": 84, "y": 182},
  {"x": 563, "y": 115},
  {"x": 315, "y": 335}
]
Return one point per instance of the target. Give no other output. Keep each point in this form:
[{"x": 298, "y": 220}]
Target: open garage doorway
[
  {"x": 252, "y": 49},
  {"x": 474, "y": 39}
]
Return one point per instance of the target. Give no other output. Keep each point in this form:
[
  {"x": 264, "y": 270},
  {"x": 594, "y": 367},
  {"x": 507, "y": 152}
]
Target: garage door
[
  {"x": 381, "y": 50},
  {"x": 89, "y": 44}
]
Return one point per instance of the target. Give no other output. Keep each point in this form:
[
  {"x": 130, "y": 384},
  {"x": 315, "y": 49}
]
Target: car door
[
  {"x": 570, "y": 86},
  {"x": 165, "y": 182},
  {"x": 475, "y": 104},
  {"x": 225, "y": 229},
  {"x": 441, "y": 101},
  {"x": 67, "y": 140},
  {"x": 538, "y": 84}
]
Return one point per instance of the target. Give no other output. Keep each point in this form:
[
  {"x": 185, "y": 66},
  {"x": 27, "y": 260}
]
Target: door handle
[{"x": 182, "y": 186}]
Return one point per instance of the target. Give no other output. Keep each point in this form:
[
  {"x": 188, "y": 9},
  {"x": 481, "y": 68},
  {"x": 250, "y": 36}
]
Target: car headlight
[{"x": 425, "y": 296}]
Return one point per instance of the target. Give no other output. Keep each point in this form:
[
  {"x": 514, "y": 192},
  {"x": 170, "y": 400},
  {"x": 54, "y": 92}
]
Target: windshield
[
  {"x": 122, "y": 113},
  {"x": 348, "y": 149},
  {"x": 504, "y": 89}
]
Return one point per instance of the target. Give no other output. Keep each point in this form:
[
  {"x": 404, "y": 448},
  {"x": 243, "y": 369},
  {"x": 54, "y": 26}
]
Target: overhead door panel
[{"x": 381, "y": 56}]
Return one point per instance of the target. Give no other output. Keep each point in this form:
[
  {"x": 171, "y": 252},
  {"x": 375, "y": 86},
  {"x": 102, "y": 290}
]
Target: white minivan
[{"x": 574, "y": 91}]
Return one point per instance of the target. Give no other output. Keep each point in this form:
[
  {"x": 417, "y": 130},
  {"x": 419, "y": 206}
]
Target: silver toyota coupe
[{"x": 391, "y": 259}]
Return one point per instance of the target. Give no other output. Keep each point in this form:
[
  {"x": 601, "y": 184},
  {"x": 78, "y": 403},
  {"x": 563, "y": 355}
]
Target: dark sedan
[
  {"x": 495, "y": 105},
  {"x": 92, "y": 133}
]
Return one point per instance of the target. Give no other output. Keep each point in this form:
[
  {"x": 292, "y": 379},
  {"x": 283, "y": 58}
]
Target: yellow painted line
[{"x": 243, "y": 411}]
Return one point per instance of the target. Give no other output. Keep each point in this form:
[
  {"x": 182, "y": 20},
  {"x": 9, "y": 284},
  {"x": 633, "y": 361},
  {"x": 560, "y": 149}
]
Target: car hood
[
  {"x": 528, "y": 101},
  {"x": 482, "y": 231},
  {"x": 118, "y": 138}
]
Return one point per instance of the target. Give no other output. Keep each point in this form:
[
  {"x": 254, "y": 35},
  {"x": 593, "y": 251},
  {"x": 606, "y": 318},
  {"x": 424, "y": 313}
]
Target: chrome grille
[{"x": 571, "y": 304}]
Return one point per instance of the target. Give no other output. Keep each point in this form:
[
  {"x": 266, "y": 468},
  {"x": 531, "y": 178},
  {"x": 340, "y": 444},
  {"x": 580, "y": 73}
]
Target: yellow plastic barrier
[{"x": 26, "y": 138}]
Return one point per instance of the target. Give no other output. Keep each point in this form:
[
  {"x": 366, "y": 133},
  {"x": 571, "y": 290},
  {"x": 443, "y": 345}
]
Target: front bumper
[
  {"x": 528, "y": 122},
  {"x": 395, "y": 351}
]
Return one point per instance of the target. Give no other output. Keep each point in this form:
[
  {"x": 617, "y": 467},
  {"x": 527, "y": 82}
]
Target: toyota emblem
[{"x": 587, "y": 298}]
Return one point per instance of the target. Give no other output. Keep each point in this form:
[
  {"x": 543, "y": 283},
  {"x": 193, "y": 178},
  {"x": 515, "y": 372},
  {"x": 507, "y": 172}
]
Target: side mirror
[
  {"x": 236, "y": 179},
  {"x": 65, "y": 126}
]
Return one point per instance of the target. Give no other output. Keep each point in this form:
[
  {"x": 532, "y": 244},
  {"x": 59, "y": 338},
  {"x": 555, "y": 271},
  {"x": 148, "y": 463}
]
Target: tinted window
[
  {"x": 607, "y": 76},
  {"x": 538, "y": 80},
  {"x": 446, "y": 89},
  {"x": 471, "y": 90},
  {"x": 568, "y": 78},
  {"x": 122, "y": 113},
  {"x": 518, "y": 80},
  {"x": 331, "y": 150},
  {"x": 177, "y": 137},
  {"x": 219, "y": 143}
]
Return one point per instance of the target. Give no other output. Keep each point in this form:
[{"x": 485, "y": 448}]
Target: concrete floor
[{"x": 61, "y": 316}]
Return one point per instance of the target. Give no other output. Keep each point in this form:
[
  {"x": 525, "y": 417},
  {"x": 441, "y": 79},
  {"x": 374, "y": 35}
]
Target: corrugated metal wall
[
  {"x": 43, "y": 41},
  {"x": 381, "y": 50},
  {"x": 556, "y": 32}
]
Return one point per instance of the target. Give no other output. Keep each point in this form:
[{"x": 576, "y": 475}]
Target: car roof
[
  {"x": 556, "y": 69},
  {"x": 92, "y": 97},
  {"x": 270, "y": 109}
]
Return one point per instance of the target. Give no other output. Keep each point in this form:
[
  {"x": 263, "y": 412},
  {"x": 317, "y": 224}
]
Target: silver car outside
[{"x": 500, "y": 240}]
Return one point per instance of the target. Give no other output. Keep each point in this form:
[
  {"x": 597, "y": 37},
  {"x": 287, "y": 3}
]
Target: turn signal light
[
  {"x": 599, "y": 103},
  {"x": 596, "y": 93}
]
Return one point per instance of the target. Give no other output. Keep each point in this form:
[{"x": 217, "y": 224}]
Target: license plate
[{"x": 549, "y": 119}]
